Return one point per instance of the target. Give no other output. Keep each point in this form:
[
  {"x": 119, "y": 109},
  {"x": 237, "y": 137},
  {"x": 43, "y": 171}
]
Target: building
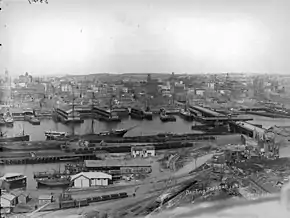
[
  {"x": 142, "y": 151},
  {"x": 22, "y": 197},
  {"x": 200, "y": 92},
  {"x": 45, "y": 199},
  {"x": 89, "y": 179},
  {"x": 8, "y": 202}
]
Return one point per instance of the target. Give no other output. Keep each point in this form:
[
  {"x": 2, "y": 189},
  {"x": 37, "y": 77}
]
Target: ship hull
[
  {"x": 52, "y": 183},
  {"x": 15, "y": 139}
]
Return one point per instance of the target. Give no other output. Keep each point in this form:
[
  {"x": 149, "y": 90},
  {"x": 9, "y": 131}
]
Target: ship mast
[
  {"x": 93, "y": 97},
  {"x": 73, "y": 111}
]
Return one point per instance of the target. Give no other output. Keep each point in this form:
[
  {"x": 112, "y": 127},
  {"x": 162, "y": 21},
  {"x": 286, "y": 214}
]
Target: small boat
[
  {"x": 34, "y": 121},
  {"x": 54, "y": 181}
]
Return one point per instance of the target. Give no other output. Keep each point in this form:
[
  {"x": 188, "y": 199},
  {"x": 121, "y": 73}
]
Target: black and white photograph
[{"x": 145, "y": 108}]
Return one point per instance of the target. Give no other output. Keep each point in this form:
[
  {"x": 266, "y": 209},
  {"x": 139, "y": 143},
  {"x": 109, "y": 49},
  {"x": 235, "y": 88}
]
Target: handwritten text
[{"x": 40, "y": 1}]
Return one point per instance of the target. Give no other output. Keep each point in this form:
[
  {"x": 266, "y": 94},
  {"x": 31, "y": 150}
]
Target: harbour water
[{"x": 145, "y": 127}]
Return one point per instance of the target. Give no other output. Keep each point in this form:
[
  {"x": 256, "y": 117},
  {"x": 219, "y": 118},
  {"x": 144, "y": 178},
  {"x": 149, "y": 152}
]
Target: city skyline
[{"x": 89, "y": 37}]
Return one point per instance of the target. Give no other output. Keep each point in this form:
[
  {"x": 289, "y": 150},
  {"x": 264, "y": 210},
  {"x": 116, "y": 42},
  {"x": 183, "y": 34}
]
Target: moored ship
[
  {"x": 54, "y": 181},
  {"x": 116, "y": 133}
]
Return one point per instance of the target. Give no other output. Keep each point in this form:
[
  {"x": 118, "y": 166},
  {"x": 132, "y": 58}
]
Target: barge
[{"x": 14, "y": 180}]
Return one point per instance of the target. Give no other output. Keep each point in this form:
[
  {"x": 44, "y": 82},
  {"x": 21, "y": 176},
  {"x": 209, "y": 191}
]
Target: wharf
[
  {"x": 91, "y": 153},
  {"x": 48, "y": 159}
]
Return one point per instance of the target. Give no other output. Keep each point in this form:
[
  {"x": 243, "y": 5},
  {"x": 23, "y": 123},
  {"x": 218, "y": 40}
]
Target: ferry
[
  {"x": 14, "y": 180},
  {"x": 51, "y": 135},
  {"x": 68, "y": 116},
  {"x": 105, "y": 115},
  {"x": 137, "y": 113}
]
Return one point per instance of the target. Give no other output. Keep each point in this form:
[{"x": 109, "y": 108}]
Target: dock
[{"x": 47, "y": 159}]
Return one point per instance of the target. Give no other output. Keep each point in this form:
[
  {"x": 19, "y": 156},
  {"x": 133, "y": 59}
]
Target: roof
[
  {"x": 7, "y": 175},
  {"x": 251, "y": 127},
  {"x": 141, "y": 148},
  {"x": 7, "y": 196},
  {"x": 216, "y": 114},
  {"x": 45, "y": 197},
  {"x": 92, "y": 175},
  {"x": 115, "y": 162}
]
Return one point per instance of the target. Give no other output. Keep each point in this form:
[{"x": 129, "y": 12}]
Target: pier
[{"x": 48, "y": 159}]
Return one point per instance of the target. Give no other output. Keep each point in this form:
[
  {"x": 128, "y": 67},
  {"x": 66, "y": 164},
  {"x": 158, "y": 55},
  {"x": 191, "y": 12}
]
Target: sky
[{"x": 138, "y": 36}]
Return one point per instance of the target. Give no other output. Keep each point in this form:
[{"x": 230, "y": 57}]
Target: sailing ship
[{"x": 54, "y": 180}]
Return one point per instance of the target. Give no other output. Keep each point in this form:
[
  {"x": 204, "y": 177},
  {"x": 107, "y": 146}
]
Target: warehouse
[{"x": 89, "y": 179}]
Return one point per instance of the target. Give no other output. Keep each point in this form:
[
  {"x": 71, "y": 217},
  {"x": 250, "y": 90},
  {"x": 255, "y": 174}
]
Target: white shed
[
  {"x": 88, "y": 179},
  {"x": 8, "y": 201}
]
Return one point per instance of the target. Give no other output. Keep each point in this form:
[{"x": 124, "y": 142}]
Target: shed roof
[
  {"x": 45, "y": 197},
  {"x": 92, "y": 175},
  {"x": 8, "y": 196},
  {"x": 115, "y": 162}
]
